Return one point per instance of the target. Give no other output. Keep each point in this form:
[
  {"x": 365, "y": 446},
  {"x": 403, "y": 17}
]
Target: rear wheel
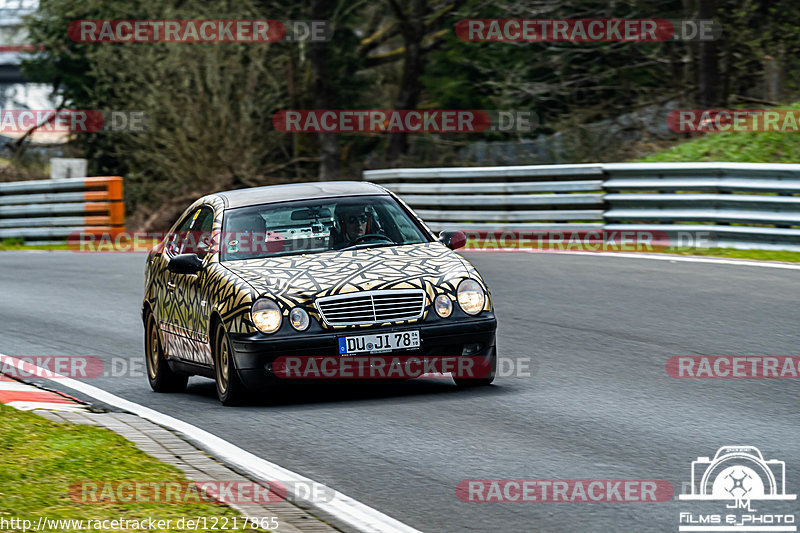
[
  {"x": 161, "y": 377},
  {"x": 230, "y": 389},
  {"x": 482, "y": 381}
]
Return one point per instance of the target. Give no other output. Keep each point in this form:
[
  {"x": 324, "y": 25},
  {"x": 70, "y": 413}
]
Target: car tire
[
  {"x": 161, "y": 377},
  {"x": 230, "y": 389},
  {"x": 483, "y": 381}
]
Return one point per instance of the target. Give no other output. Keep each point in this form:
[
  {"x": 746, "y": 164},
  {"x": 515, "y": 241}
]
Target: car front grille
[{"x": 372, "y": 307}]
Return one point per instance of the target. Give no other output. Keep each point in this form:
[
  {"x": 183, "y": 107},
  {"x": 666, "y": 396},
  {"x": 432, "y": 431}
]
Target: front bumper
[{"x": 254, "y": 354}]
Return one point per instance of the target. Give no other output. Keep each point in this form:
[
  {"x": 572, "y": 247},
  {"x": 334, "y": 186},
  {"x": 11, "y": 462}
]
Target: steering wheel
[{"x": 369, "y": 236}]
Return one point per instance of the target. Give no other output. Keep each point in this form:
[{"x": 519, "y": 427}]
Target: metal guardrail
[
  {"x": 745, "y": 205},
  {"x": 521, "y": 198},
  {"x": 51, "y": 210},
  {"x": 742, "y": 205}
]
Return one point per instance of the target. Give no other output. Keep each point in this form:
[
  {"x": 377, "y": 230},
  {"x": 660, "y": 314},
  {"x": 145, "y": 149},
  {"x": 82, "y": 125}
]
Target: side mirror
[
  {"x": 185, "y": 264},
  {"x": 453, "y": 239}
]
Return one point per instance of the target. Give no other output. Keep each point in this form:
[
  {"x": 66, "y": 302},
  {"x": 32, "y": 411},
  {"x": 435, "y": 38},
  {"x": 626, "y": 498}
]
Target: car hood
[{"x": 295, "y": 279}]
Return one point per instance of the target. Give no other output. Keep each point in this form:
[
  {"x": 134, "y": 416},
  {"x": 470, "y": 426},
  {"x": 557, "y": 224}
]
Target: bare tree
[{"x": 322, "y": 93}]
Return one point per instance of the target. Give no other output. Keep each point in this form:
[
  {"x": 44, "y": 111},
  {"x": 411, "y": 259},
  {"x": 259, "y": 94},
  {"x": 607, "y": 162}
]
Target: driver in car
[{"x": 355, "y": 221}]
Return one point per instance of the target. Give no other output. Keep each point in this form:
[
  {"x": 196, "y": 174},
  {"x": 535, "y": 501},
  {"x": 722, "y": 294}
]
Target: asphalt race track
[{"x": 599, "y": 404}]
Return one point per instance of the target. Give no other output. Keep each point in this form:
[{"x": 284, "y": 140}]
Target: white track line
[
  {"x": 353, "y": 514},
  {"x": 655, "y": 257},
  {"x": 31, "y": 406},
  {"x": 15, "y": 386}
]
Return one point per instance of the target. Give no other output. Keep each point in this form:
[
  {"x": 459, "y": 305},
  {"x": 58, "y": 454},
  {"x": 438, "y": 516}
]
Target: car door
[
  {"x": 166, "y": 301},
  {"x": 192, "y": 312}
]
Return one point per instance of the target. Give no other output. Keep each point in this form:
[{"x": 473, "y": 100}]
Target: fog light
[
  {"x": 471, "y": 349},
  {"x": 443, "y": 306},
  {"x": 299, "y": 319}
]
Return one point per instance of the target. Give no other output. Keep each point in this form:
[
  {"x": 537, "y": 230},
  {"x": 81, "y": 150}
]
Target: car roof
[{"x": 297, "y": 191}]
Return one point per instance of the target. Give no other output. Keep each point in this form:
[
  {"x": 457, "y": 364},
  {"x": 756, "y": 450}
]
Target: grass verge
[
  {"x": 729, "y": 253},
  {"x": 40, "y": 460},
  {"x": 14, "y": 246},
  {"x": 735, "y": 147},
  {"x": 732, "y": 253},
  {"x": 107, "y": 245}
]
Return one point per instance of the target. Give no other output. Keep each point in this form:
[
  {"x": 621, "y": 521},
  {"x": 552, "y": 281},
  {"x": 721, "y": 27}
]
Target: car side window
[
  {"x": 201, "y": 231},
  {"x": 175, "y": 241}
]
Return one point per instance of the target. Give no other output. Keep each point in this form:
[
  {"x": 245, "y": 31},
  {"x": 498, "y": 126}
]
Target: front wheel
[
  {"x": 482, "y": 381},
  {"x": 161, "y": 377},
  {"x": 230, "y": 389}
]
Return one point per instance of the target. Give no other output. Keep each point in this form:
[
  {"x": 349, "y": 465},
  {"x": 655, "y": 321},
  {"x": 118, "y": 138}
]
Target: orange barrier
[{"x": 52, "y": 210}]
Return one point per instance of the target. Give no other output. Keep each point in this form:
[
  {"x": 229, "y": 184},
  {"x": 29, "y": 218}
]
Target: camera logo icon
[{"x": 738, "y": 473}]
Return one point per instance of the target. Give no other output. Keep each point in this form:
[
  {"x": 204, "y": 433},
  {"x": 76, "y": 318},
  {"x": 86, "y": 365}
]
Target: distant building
[{"x": 15, "y": 91}]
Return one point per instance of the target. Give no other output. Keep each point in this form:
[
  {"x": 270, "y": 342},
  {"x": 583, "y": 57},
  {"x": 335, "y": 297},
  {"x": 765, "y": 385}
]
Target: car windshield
[{"x": 314, "y": 226}]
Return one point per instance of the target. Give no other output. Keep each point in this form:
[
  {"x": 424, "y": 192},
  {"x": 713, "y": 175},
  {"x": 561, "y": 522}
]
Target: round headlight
[
  {"x": 471, "y": 297},
  {"x": 299, "y": 319},
  {"x": 266, "y": 315},
  {"x": 443, "y": 305}
]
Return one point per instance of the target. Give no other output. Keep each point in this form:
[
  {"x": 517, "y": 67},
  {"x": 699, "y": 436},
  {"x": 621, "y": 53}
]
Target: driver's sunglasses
[{"x": 357, "y": 219}]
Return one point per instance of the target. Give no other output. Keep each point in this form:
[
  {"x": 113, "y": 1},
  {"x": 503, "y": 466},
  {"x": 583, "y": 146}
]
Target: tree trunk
[
  {"x": 323, "y": 94},
  {"x": 708, "y": 66},
  {"x": 413, "y": 32}
]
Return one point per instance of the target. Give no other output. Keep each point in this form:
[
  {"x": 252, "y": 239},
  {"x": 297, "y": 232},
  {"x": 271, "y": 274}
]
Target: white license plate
[{"x": 384, "y": 342}]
